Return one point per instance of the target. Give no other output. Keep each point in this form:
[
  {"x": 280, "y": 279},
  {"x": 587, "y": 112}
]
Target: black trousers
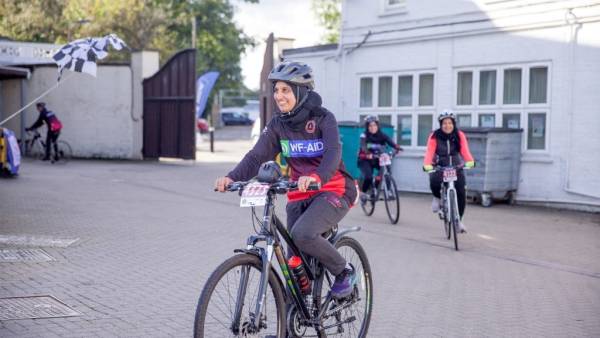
[
  {"x": 309, "y": 219},
  {"x": 51, "y": 138},
  {"x": 366, "y": 168},
  {"x": 435, "y": 183}
]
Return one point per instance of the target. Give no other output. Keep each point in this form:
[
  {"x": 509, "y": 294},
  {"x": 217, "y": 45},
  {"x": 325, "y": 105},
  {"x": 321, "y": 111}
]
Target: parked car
[
  {"x": 235, "y": 118},
  {"x": 202, "y": 125},
  {"x": 252, "y": 108}
]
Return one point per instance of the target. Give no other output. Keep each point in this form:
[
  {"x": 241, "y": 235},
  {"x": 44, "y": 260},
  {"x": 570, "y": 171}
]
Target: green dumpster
[{"x": 350, "y": 138}]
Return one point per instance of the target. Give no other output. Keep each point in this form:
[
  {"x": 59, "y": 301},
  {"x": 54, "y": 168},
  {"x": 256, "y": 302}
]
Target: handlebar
[
  {"x": 280, "y": 187},
  {"x": 392, "y": 153},
  {"x": 457, "y": 167}
]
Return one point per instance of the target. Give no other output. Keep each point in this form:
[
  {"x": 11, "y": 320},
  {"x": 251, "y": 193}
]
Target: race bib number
[
  {"x": 385, "y": 160},
  {"x": 254, "y": 195},
  {"x": 449, "y": 175}
]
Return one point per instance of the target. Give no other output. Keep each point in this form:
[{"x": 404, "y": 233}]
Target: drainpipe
[
  {"x": 573, "y": 21},
  {"x": 342, "y": 54},
  {"x": 22, "y": 125}
]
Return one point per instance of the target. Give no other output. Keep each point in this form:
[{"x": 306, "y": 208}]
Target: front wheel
[
  {"x": 353, "y": 318},
  {"x": 225, "y": 309},
  {"x": 392, "y": 200},
  {"x": 454, "y": 218},
  {"x": 368, "y": 205}
]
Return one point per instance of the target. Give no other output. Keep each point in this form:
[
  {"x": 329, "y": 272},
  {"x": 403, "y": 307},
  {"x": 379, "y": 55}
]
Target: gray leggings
[{"x": 307, "y": 221}]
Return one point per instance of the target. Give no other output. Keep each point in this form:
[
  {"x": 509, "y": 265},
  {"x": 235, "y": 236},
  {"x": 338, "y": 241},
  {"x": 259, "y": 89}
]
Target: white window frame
[
  {"x": 414, "y": 109},
  {"x": 455, "y": 99},
  {"x": 387, "y": 9},
  {"x": 373, "y": 84},
  {"x": 523, "y": 109}
]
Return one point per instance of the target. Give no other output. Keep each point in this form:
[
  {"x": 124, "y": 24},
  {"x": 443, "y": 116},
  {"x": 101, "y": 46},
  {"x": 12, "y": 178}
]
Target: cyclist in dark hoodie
[
  {"x": 306, "y": 134},
  {"x": 54, "y": 127},
  {"x": 372, "y": 142}
]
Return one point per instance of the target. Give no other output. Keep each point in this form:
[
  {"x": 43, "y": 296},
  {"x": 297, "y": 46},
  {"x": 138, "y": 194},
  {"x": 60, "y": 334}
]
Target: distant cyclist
[
  {"x": 307, "y": 135},
  {"x": 448, "y": 145},
  {"x": 54, "y": 127},
  {"x": 372, "y": 141}
]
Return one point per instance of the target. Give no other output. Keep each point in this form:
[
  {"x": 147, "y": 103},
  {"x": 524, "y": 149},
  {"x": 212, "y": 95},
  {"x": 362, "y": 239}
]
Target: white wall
[
  {"x": 102, "y": 115},
  {"x": 565, "y": 171},
  {"x": 95, "y": 112}
]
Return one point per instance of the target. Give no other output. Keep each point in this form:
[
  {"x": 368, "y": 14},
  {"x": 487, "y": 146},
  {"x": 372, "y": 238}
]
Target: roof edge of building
[{"x": 310, "y": 49}]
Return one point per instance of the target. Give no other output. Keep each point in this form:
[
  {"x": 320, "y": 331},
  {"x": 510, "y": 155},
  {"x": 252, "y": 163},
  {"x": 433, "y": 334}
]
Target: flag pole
[{"x": 34, "y": 100}]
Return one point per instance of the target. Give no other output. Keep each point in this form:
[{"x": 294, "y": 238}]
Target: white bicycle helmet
[{"x": 445, "y": 114}]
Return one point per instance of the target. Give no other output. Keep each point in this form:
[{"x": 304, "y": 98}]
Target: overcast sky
[{"x": 285, "y": 18}]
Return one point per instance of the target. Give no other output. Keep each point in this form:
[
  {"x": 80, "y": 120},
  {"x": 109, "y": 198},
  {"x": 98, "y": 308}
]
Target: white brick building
[{"x": 531, "y": 64}]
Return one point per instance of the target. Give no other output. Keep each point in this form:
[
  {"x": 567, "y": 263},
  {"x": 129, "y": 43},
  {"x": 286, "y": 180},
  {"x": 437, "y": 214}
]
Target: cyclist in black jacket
[
  {"x": 54, "y": 126},
  {"x": 307, "y": 135},
  {"x": 372, "y": 142}
]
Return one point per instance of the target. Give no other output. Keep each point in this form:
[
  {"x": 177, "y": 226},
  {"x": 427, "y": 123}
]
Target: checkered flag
[{"x": 81, "y": 55}]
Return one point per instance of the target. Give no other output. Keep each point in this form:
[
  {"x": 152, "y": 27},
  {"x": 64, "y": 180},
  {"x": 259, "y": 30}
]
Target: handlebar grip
[{"x": 314, "y": 186}]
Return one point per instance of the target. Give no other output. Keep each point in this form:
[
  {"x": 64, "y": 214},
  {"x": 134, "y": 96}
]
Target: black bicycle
[
  {"x": 34, "y": 146},
  {"x": 383, "y": 184},
  {"x": 248, "y": 296}
]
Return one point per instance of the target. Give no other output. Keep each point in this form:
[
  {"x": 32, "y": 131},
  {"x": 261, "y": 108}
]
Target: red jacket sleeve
[
  {"x": 431, "y": 146},
  {"x": 464, "y": 147}
]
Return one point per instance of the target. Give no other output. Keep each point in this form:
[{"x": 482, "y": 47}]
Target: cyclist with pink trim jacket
[{"x": 448, "y": 146}]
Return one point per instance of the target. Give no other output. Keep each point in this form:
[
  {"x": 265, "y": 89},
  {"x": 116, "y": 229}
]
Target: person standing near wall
[{"x": 54, "y": 127}]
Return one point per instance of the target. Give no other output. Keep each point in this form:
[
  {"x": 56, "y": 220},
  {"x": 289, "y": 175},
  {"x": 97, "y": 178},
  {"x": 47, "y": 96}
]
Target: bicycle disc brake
[{"x": 295, "y": 327}]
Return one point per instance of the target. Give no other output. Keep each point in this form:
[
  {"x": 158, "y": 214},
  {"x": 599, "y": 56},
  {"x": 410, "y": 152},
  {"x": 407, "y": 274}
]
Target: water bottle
[{"x": 299, "y": 273}]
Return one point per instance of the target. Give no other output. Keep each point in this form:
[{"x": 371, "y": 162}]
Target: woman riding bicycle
[
  {"x": 448, "y": 146},
  {"x": 306, "y": 134},
  {"x": 372, "y": 142}
]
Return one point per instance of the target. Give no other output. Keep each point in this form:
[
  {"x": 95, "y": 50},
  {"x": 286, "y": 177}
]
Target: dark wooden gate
[{"x": 169, "y": 109}]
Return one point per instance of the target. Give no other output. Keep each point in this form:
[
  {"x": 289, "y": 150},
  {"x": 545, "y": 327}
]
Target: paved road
[{"x": 151, "y": 233}]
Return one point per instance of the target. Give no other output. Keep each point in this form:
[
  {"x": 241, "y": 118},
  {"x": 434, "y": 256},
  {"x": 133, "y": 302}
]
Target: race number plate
[
  {"x": 254, "y": 195},
  {"x": 450, "y": 175},
  {"x": 385, "y": 159}
]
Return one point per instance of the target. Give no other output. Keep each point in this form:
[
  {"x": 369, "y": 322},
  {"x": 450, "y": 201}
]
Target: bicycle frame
[
  {"x": 384, "y": 172},
  {"x": 271, "y": 230}
]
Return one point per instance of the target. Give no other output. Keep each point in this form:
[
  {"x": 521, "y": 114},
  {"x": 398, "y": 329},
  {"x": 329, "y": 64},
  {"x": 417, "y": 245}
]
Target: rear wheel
[
  {"x": 64, "y": 152},
  {"x": 392, "y": 200},
  {"x": 218, "y": 304},
  {"x": 352, "y": 316}
]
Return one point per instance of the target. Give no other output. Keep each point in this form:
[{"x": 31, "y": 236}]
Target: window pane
[
  {"x": 536, "y": 132},
  {"x": 404, "y": 130},
  {"x": 512, "y": 86},
  {"x": 464, "y": 88},
  {"x": 394, "y": 2},
  {"x": 426, "y": 90},
  {"x": 362, "y": 117},
  {"x": 487, "y": 120},
  {"x": 538, "y": 83},
  {"x": 405, "y": 91},
  {"x": 463, "y": 120},
  {"x": 385, "y": 91},
  {"x": 425, "y": 123},
  {"x": 487, "y": 87},
  {"x": 511, "y": 121},
  {"x": 385, "y": 119},
  {"x": 366, "y": 92}
]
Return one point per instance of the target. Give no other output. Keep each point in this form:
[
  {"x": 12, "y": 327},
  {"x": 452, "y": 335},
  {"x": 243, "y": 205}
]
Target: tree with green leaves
[
  {"x": 329, "y": 14},
  {"x": 163, "y": 25}
]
